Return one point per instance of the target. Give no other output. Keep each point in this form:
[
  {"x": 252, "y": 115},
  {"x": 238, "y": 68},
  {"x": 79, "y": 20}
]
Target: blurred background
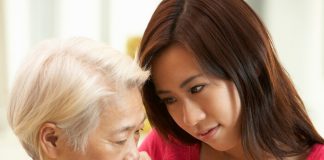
[{"x": 296, "y": 26}]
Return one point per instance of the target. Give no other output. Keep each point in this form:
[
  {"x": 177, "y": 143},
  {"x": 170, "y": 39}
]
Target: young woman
[{"x": 217, "y": 89}]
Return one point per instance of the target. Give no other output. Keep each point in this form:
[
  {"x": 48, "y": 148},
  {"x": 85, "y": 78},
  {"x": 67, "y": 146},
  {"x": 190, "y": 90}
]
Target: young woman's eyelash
[
  {"x": 168, "y": 100},
  {"x": 197, "y": 88}
]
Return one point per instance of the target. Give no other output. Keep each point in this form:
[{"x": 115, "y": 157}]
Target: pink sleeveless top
[
  {"x": 159, "y": 149},
  {"x": 317, "y": 152}
]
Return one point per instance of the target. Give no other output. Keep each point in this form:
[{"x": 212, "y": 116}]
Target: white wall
[
  {"x": 3, "y": 70},
  {"x": 129, "y": 18},
  {"x": 297, "y": 30},
  {"x": 29, "y": 21},
  {"x": 295, "y": 25},
  {"x": 79, "y": 18},
  {"x": 17, "y": 36}
]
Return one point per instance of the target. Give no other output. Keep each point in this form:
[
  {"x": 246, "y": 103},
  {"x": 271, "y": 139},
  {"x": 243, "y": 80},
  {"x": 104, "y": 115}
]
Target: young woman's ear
[{"x": 48, "y": 138}]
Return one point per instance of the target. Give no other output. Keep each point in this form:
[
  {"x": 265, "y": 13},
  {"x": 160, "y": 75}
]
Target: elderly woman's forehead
[
  {"x": 125, "y": 113},
  {"x": 125, "y": 100}
]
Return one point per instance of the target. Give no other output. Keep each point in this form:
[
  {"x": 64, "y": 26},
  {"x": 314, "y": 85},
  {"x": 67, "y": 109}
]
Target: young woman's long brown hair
[{"x": 229, "y": 41}]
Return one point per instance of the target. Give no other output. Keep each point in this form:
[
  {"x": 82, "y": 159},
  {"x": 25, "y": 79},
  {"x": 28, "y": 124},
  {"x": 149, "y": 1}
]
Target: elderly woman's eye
[
  {"x": 138, "y": 132},
  {"x": 122, "y": 142},
  {"x": 137, "y": 135}
]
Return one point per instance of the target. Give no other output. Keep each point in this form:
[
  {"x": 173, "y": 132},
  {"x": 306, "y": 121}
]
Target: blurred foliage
[
  {"x": 147, "y": 126},
  {"x": 132, "y": 45}
]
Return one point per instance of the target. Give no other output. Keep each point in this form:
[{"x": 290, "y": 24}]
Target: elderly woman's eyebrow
[{"x": 130, "y": 127}]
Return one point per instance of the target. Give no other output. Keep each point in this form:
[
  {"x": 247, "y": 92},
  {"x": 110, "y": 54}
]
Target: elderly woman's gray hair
[{"x": 67, "y": 83}]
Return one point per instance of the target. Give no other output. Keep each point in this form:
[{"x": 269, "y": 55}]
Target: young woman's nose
[{"x": 192, "y": 113}]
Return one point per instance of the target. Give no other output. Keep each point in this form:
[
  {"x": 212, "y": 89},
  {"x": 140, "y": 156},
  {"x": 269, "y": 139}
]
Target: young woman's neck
[
  {"x": 237, "y": 153},
  {"x": 208, "y": 153}
]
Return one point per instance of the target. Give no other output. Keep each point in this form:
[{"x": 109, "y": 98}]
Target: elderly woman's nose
[{"x": 133, "y": 153}]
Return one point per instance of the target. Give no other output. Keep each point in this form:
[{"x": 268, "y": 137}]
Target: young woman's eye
[
  {"x": 168, "y": 100},
  {"x": 196, "y": 89}
]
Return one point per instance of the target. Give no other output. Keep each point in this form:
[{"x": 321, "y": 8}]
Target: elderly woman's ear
[{"x": 49, "y": 137}]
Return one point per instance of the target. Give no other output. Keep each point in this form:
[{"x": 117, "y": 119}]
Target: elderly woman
[{"x": 78, "y": 99}]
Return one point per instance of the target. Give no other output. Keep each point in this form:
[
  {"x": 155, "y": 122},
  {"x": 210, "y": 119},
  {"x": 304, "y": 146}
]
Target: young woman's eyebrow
[
  {"x": 188, "y": 80},
  {"x": 183, "y": 84}
]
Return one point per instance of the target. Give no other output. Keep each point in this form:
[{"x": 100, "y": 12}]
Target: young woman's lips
[{"x": 208, "y": 134}]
